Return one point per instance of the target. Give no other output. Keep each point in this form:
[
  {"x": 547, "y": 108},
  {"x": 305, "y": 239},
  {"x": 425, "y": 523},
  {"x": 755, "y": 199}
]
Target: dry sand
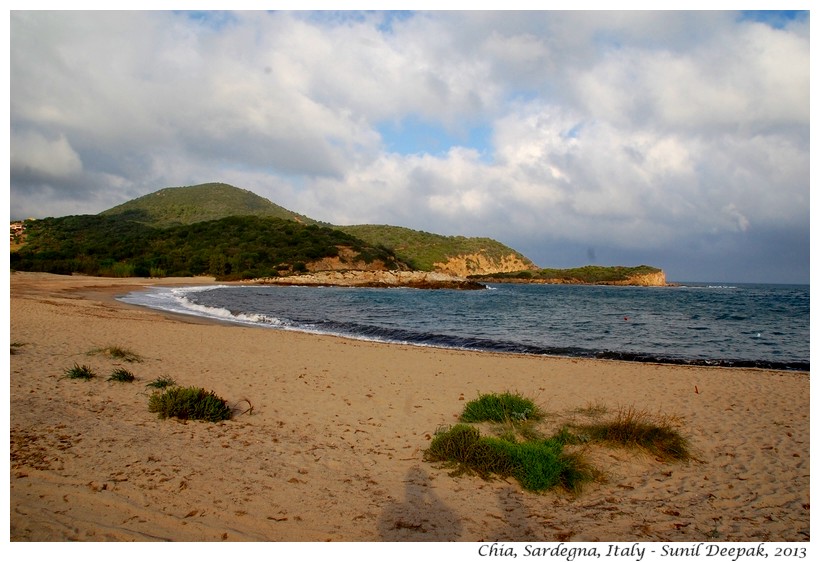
[{"x": 332, "y": 450}]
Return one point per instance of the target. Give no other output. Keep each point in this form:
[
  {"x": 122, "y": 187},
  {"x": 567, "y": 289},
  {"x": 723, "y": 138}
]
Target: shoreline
[
  {"x": 333, "y": 449},
  {"x": 344, "y": 280}
]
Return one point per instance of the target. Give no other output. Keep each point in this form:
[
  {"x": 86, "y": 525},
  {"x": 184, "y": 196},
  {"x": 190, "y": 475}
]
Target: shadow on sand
[{"x": 422, "y": 516}]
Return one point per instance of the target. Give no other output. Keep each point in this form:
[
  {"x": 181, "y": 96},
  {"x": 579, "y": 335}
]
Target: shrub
[
  {"x": 162, "y": 382},
  {"x": 80, "y": 372},
  {"x": 121, "y": 375},
  {"x": 189, "y": 403},
  {"x": 501, "y": 408}
]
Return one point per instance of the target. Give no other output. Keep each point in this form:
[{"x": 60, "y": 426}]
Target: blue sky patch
[
  {"x": 775, "y": 18},
  {"x": 413, "y": 135}
]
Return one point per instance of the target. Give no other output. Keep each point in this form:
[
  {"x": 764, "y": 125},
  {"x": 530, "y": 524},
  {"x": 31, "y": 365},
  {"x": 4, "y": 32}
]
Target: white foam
[{"x": 176, "y": 300}]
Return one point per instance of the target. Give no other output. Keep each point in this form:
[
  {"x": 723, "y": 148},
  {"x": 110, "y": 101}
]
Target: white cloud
[
  {"x": 635, "y": 129},
  {"x": 749, "y": 78},
  {"x": 34, "y": 154}
]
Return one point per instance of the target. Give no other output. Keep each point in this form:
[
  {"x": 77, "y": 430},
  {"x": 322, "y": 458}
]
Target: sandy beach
[{"x": 333, "y": 447}]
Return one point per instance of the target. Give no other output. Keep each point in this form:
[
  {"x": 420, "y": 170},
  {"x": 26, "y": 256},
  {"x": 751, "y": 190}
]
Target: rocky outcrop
[
  {"x": 359, "y": 278},
  {"x": 481, "y": 264},
  {"x": 657, "y": 279}
]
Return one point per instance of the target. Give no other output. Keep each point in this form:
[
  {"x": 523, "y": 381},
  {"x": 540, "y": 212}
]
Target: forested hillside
[{"x": 229, "y": 248}]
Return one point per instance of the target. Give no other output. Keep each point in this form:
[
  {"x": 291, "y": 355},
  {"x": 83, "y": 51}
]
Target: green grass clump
[
  {"x": 80, "y": 372},
  {"x": 500, "y": 408},
  {"x": 537, "y": 465},
  {"x": 518, "y": 448},
  {"x": 121, "y": 375},
  {"x": 162, "y": 382},
  {"x": 464, "y": 449},
  {"x": 117, "y": 352},
  {"x": 541, "y": 465},
  {"x": 638, "y": 428},
  {"x": 189, "y": 403}
]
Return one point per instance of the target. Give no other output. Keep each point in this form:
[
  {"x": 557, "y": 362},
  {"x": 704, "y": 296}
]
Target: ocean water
[{"x": 733, "y": 325}]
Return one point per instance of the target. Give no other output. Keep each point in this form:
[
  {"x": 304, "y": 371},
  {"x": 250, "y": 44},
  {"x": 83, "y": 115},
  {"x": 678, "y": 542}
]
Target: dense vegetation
[
  {"x": 423, "y": 249},
  {"x": 210, "y": 201},
  {"x": 586, "y": 274},
  {"x": 123, "y": 245},
  {"x": 198, "y": 203}
]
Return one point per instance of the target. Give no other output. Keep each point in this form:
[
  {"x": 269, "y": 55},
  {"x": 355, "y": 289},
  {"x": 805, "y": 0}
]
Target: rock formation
[
  {"x": 359, "y": 278},
  {"x": 482, "y": 264}
]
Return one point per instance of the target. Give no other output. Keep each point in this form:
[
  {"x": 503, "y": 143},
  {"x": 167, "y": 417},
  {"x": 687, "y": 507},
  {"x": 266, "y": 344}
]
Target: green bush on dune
[
  {"x": 189, "y": 403},
  {"x": 500, "y": 408},
  {"x": 539, "y": 463}
]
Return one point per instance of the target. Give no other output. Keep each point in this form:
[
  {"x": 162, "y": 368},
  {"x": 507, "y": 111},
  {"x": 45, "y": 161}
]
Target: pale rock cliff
[
  {"x": 648, "y": 280},
  {"x": 480, "y": 264}
]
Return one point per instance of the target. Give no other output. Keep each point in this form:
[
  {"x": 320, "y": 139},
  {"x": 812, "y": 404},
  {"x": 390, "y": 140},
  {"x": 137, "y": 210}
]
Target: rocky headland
[{"x": 362, "y": 278}]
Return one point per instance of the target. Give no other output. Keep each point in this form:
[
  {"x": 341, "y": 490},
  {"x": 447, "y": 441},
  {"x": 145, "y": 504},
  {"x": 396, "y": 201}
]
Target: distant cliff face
[
  {"x": 481, "y": 264},
  {"x": 641, "y": 276},
  {"x": 657, "y": 279}
]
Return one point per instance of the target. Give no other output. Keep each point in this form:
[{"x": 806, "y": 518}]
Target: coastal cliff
[
  {"x": 657, "y": 279},
  {"x": 641, "y": 276},
  {"x": 482, "y": 264}
]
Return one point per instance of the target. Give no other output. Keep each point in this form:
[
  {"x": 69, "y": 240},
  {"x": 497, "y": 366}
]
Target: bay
[{"x": 734, "y": 325}]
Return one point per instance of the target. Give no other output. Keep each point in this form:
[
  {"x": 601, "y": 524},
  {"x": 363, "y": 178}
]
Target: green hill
[
  {"x": 429, "y": 252},
  {"x": 421, "y": 250},
  {"x": 198, "y": 203}
]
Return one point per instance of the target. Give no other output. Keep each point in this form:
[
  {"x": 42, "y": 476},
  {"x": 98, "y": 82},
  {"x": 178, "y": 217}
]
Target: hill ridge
[{"x": 424, "y": 251}]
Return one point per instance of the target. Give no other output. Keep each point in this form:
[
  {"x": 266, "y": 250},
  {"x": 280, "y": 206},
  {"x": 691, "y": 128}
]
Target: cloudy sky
[{"x": 676, "y": 139}]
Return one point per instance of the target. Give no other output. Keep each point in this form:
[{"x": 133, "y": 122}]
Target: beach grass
[
  {"x": 499, "y": 408},
  {"x": 189, "y": 403},
  {"x": 117, "y": 352},
  {"x": 162, "y": 382},
  {"x": 539, "y": 463},
  {"x": 80, "y": 372},
  {"x": 121, "y": 375},
  {"x": 638, "y": 428}
]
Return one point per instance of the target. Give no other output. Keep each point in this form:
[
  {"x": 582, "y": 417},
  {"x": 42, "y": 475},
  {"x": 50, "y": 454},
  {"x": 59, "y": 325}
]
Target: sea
[{"x": 729, "y": 325}]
